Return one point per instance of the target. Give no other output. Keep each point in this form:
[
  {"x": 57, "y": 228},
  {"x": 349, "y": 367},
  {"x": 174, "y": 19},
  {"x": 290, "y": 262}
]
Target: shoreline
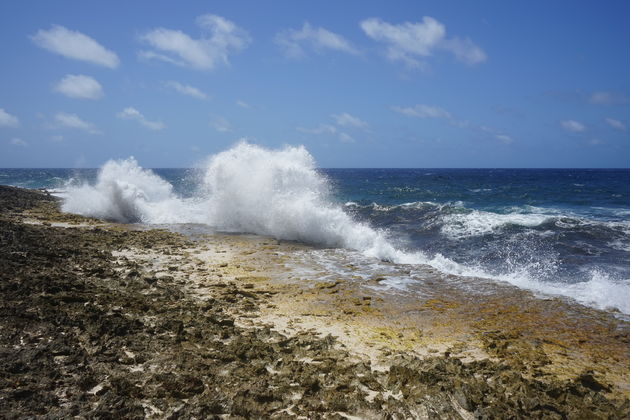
[{"x": 214, "y": 328}]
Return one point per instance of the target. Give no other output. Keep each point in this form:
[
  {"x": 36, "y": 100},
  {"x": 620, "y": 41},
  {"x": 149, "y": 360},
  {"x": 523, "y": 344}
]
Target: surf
[{"x": 282, "y": 194}]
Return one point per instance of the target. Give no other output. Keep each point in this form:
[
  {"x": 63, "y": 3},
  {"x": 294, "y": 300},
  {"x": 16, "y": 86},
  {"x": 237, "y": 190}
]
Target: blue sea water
[
  {"x": 570, "y": 222},
  {"x": 558, "y": 231}
]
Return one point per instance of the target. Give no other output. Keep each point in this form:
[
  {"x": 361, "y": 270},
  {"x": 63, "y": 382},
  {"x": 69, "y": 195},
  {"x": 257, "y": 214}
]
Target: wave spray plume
[{"x": 280, "y": 193}]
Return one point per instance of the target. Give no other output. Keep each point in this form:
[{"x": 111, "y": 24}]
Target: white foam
[
  {"x": 600, "y": 291},
  {"x": 620, "y": 245},
  {"x": 125, "y": 192},
  {"x": 416, "y": 205},
  {"x": 280, "y": 193},
  {"x": 246, "y": 189},
  {"x": 478, "y": 223}
]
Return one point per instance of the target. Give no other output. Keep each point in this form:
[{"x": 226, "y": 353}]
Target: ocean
[{"x": 555, "y": 232}]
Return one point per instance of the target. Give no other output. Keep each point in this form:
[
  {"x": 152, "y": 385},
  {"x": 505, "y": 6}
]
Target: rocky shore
[{"x": 101, "y": 320}]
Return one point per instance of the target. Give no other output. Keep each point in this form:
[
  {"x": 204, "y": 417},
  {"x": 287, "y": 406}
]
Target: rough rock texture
[{"x": 85, "y": 333}]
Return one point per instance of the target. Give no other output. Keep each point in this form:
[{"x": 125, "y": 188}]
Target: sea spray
[
  {"x": 245, "y": 189},
  {"x": 125, "y": 192},
  {"x": 281, "y": 193}
]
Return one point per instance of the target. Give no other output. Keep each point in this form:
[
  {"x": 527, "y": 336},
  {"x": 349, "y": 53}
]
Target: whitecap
[{"x": 478, "y": 223}]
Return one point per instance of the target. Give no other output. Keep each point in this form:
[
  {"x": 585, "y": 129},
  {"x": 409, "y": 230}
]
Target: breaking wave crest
[
  {"x": 599, "y": 289},
  {"x": 245, "y": 189},
  {"x": 280, "y": 193},
  {"x": 125, "y": 192}
]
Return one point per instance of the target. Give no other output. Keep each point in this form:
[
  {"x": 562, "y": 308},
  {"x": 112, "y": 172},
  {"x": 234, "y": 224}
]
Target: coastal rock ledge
[{"x": 102, "y": 320}]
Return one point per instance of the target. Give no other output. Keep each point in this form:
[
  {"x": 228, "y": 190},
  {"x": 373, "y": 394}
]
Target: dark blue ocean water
[
  {"x": 555, "y": 226},
  {"x": 571, "y": 221}
]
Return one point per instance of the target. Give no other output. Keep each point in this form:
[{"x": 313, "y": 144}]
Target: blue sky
[{"x": 358, "y": 83}]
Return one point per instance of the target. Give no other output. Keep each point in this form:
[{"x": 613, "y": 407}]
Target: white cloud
[
  {"x": 342, "y": 120},
  {"x": 75, "y": 45},
  {"x": 152, "y": 55},
  {"x": 345, "y": 138},
  {"x": 616, "y": 124},
  {"x": 573, "y": 126},
  {"x": 320, "y": 129},
  {"x": 493, "y": 132},
  {"x": 423, "y": 111},
  {"x": 131, "y": 113},
  {"x": 79, "y": 86},
  {"x": 464, "y": 50},
  {"x": 67, "y": 120},
  {"x": 348, "y": 120},
  {"x": 18, "y": 142},
  {"x": 220, "y": 124},
  {"x": 243, "y": 104},
  {"x": 186, "y": 90},
  {"x": 609, "y": 98},
  {"x": 294, "y": 42},
  {"x": 204, "y": 53},
  {"x": 412, "y": 42},
  {"x": 428, "y": 111},
  {"x": 504, "y": 138},
  {"x": 8, "y": 120}
]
